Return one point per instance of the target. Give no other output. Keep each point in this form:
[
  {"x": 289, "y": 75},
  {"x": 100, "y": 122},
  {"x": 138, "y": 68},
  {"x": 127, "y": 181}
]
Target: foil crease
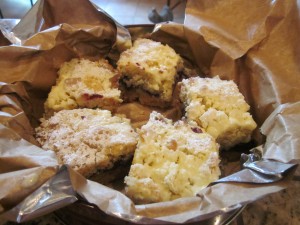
[{"x": 57, "y": 192}]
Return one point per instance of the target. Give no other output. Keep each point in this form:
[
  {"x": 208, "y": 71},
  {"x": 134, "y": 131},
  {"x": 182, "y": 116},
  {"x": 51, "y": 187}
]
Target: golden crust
[
  {"x": 219, "y": 108},
  {"x": 172, "y": 160},
  {"x": 152, "y": 68},
  {"x": 84, "y": 83},
  {"x": 86, "y": 139}
]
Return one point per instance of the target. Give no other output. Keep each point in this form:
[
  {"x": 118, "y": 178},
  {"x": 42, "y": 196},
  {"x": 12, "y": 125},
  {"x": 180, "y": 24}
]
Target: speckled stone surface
[{"x": 282, "y": 208}]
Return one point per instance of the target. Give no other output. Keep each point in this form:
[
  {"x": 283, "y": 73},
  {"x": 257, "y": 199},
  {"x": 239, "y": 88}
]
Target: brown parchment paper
[
  {"x": 258, "y": 47},
  {"x": 254, "y": 44}
]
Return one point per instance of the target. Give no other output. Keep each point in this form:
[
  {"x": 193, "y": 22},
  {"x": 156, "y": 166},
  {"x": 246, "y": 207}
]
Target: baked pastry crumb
[
  {"x": 151, "y": 69},
  {"x": 84, "y": 83},
  {"x": 219, "y": 108},
  {"x": 87, "y": 139},
  {"x": 172, "y": 160}
]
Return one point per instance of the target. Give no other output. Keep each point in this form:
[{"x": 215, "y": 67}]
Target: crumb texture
[
  {"x": 151, "y": 67},
  {"x": 88, "y": 140},
  {"x": 84, "y": 83},
  {"x": 219, "y": 108},
  {"x": 172, "y": 160}
]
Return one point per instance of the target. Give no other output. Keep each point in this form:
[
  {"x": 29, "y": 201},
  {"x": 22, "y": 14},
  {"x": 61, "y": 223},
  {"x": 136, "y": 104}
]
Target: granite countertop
[{"x": 282, "y": 208}]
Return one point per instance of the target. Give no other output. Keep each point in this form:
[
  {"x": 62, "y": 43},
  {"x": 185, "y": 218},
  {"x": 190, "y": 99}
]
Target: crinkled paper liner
[{"x": 253, "y": 43}]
